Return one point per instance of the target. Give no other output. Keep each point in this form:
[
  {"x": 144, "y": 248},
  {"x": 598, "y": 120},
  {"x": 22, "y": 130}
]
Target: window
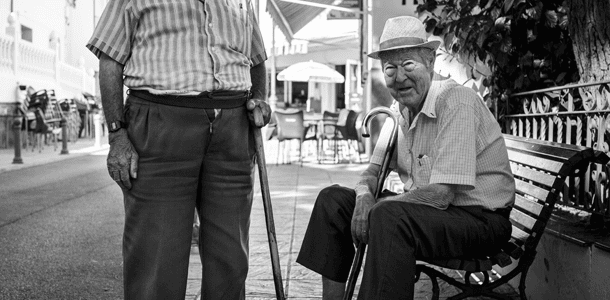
[{"x": 26, "y": 33}]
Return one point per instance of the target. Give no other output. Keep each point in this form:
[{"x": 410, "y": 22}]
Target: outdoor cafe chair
[
  {"x": 349, "y": 133},
  {"x": 344, "y": 129},
  {"x": 327, "y": 131},
  {"x": 291, "y": 126}
]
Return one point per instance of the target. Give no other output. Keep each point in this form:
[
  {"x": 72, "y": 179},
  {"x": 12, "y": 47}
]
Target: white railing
[
  {"x": 6, "y": 52},
  {"x": 71, "y": 78},
  {"x": 39, "y": 67},
  {"x": 35, "y": 59}
]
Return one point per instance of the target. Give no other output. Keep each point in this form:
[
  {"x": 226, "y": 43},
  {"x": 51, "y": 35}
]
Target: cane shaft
[
  {"x": 381, "y": 176},
  {"x": 359, "y": 257},
  {"x": 262, "y": 172}
]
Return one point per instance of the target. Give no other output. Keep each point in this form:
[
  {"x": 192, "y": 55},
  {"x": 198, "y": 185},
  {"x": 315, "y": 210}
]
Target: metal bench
[{"x": 540, "y": 169}]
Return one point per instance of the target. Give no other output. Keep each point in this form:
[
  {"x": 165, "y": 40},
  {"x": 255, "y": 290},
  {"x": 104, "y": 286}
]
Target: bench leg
[
  {"x": 466, "y": 289},
  {"x": 432, "y": 274},
  {"x": 522, "y": 284}
]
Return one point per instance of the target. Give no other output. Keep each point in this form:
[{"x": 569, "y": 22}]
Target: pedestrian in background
[{"x": 182, "y": 140}]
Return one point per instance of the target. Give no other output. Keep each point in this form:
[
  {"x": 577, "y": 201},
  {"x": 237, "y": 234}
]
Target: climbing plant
[{"x": 526, "y": 43}]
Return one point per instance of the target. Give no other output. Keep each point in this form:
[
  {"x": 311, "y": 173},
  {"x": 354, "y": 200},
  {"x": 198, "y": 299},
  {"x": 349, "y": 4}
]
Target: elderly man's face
[{"x": 408, "y": 76}]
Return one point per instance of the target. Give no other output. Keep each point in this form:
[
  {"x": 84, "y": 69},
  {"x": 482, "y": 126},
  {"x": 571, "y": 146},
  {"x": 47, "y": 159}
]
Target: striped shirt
[
  {"x": 181, "y": 46},
  {"x": 454, "y": 140}
]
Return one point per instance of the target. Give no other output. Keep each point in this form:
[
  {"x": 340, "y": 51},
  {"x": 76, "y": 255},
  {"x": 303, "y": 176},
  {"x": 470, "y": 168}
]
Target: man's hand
[
  {"x": 360, "y": 218},
  {"x": 122, "y": 159},
  {"x": 260, "y": 112}
]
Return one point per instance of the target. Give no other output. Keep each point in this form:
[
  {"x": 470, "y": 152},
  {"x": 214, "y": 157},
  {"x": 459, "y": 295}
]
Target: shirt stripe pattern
[
  {"x": 181, "y": 47},
  {"x": 454, "y": 140}
]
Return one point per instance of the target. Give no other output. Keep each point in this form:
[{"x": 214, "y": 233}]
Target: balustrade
[{"x": 577, "y": 114}]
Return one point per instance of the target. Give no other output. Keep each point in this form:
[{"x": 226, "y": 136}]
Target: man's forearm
[
  {"x": 435, "y": 195},
  {"x": 111, "y": 88},
  {"x": 258, "y": 75},
  {"x": 368, "y": 180}
]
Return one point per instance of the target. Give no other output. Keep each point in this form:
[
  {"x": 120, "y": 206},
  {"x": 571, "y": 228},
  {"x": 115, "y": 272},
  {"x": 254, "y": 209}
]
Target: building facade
[{"x": 42, "y": 46}]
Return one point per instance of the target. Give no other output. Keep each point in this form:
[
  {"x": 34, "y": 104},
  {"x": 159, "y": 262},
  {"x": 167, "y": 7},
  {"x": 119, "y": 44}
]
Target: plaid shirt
[
  {"x": 455, "y": 140},
  {"x": 181, "y": 46}
]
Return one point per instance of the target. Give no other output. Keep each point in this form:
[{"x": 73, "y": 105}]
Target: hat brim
[{"x": 432, "y": 45}]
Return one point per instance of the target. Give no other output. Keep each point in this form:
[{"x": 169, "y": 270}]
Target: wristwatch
[{"x": 115, "y": 126}]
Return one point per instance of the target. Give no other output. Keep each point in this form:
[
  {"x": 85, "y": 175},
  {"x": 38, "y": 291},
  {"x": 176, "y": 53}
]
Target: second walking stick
[{"x": 264, "y": 180}]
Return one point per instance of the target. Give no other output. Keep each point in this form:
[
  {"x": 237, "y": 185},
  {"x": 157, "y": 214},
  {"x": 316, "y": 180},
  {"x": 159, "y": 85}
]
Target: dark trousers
[
  {"x": 184, "y": 165},
  {"x": 399, "y": 233}
]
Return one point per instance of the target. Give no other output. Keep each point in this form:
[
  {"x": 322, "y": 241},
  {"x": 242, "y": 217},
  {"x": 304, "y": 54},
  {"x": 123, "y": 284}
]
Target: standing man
[
  {"x": 450, "y": 155},
  {"x": 182, "y": 141}
]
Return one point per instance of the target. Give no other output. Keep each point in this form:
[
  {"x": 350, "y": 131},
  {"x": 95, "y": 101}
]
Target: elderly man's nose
[{"x": 401, "y": 76}]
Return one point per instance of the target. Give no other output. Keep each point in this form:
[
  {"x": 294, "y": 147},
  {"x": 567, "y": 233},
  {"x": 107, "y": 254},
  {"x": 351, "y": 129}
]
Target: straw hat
[{"x": 403, "y": 32}]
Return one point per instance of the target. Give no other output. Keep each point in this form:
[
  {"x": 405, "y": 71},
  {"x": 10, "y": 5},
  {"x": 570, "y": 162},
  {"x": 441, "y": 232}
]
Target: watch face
[{"x": 114, "y": 126}]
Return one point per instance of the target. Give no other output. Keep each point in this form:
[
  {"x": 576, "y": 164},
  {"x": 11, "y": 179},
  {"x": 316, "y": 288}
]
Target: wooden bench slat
[
  {"x": 533, "y": 175},
  {"x": 536, "y": 162},
  {"x": 526, "y": 221},
  {"x": 502, "y": 259},
  {"x": 528, "y": 205},
  {"x": 559, "y": 150},
  {"x": 519, "y": 235},
  {"x": 513, "y": 249},
  {"x": 526, "y": 188}
]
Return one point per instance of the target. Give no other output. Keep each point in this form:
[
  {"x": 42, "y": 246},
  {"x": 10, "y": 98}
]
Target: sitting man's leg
[
  {"x": 327, "y": 247},
  {"x": 402, "y": 232}
]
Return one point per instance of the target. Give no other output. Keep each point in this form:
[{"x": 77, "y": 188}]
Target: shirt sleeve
[
  {"x": 258, "y": 54},
  {"x": 456, "y": 141},
  {"x": 113, "y": 34}
]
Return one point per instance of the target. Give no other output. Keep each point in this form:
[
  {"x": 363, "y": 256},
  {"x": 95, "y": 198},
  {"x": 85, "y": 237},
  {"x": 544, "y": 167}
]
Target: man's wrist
[
  {"x": 362, "y": 190},
  {"x": 112, "y": 136}
]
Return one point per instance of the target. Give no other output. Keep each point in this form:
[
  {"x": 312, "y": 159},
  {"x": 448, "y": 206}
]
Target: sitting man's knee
[
  {"x": 333, "y": 196},
  {"x": 381, "y": 211}
]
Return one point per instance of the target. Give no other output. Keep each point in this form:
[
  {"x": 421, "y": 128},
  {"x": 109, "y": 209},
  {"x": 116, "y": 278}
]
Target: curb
[{"x": 55, "y": 157}]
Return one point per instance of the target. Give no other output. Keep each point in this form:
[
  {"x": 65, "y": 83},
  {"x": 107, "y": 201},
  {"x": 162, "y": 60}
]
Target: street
[{"x": 60, "y": 231}]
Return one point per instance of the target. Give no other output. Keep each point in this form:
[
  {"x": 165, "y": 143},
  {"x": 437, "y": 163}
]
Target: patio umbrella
[{"x": 310, "y": 71}]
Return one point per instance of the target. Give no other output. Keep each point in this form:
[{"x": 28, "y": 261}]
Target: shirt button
[{"x": 211, "y": 24}]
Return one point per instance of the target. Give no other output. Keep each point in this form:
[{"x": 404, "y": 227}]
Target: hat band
[{"x": 401, "y": 41}]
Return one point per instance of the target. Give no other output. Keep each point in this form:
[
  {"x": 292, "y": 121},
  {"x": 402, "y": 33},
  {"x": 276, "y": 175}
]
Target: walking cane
[
  {"x": 383, "y": 173},
  {"x": 262, "y": 172}
]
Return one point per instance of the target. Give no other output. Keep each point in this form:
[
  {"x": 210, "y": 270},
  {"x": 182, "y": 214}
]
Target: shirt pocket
[
  {"x": 239, "y": 32},
  {"x": 423, "y": 170},
  {"x": 238, "y": 10}
]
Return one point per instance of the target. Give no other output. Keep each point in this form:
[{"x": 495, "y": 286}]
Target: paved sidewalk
[{"x": 49, "y": 153}]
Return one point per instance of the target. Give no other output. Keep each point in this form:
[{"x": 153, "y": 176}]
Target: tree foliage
[{"x": 524, "y": 42}]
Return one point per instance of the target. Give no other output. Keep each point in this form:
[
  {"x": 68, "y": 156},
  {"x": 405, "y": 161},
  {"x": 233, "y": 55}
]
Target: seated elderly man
[{"x": 450, "y": 155}]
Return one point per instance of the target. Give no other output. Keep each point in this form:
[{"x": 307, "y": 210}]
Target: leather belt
[{"x": 215, "y": 99}]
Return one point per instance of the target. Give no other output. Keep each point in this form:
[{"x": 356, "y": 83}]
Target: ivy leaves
[{"x": 524, "y": 42}]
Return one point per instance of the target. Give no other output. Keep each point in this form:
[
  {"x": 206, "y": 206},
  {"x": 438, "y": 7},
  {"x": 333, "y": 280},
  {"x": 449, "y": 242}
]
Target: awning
[{"x": 292, "y": 17}]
